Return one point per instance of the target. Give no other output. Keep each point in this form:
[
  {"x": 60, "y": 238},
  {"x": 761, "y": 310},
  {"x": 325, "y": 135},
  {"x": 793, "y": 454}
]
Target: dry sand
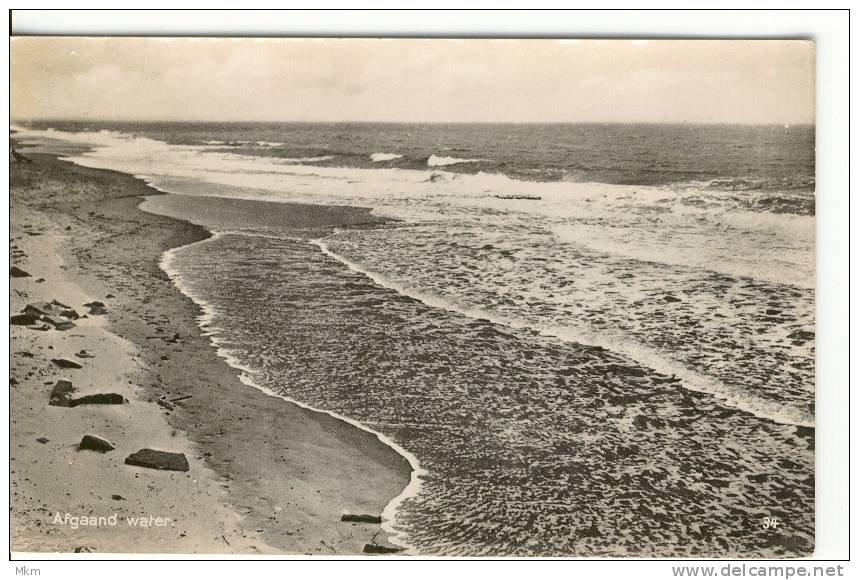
[{"x": 266, "y": 476}]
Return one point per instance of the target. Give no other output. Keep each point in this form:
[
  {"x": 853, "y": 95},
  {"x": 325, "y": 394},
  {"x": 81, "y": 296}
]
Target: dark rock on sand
[
  {"x": 155, "y": 459},
  {"x": 70, "y": 313},
  {"x": 52, "y": 313},
  {"x": 17, "y": 272},
  {"x": 65, "y": 363},
  {"x": 377, "y": 549},
  {"x": 84, "y": 354},
  {"x": 61, "y": 395},
  {"x": 95, "y": 443},
  {"x": 96, "y": 307},
  {"x": 58, "y": 322},
  {"x": 362, "y": 518},
  {"x": 117, "y": 497},
  {"x": 41, "y": 308},
  {"x": 42, "y": 440},
  {"x": 99, "y": 399},
  {"x": 24, "y": 319}
]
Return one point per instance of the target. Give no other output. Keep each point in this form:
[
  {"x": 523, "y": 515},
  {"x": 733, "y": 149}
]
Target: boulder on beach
[
  {"x": 17, "y": 272},
  {"x": 95, "y": 443},
  {"x": 41, "y": 308},
  {"x": 377, "y": 549},
  {"x": 61, "y": 394},
  {"x": 58, "y": 322},
  {"x": 361, "y": 518},
  {"x": 54, "y": 313},
  {"x": 70, "y": 313},
  {"x": 25, "y": 319},
  {"x": 96, "y": 307},
  {"x": 99, "y": 399},
  {"x": 65, "y": 363},
  {"x": 83, "y": 353},
  {"x": 154, "y": 459}
]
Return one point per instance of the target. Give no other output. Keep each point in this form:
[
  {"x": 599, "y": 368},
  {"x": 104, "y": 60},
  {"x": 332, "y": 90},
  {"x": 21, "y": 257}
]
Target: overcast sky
[{"x": 413, "y": 80}]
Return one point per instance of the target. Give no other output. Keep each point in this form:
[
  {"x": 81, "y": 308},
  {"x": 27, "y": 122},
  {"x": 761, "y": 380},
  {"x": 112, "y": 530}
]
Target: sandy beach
[{"x": 265, "y": 476}]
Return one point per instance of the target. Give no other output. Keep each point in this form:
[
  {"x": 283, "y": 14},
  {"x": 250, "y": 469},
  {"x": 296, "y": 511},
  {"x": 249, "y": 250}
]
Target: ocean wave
[
  {"x": 306, "y": 159},
  {"x": 376, "y": 157},
  {"x": 728, "y": 396},
  {"x": 438, "y": 161}
]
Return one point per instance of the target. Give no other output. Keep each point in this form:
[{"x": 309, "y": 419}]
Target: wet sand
[{"x": 266, "y": 476}]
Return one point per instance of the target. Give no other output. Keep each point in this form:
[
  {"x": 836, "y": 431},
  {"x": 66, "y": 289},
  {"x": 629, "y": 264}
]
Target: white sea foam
[
  {"x": 384, "y": 156},
  {"x": 441, "y": 161},
  {"x": 636, "y": 351}
]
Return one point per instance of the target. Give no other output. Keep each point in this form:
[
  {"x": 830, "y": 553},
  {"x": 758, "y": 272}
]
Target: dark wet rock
[
  {"x": 377, "y": 549},
  {"x": 65, "y": 363},
  {"x": 52, "y": 313},
  {"x": 25, "y": 319},
  {"x": 41, "y": 308},
  {"x": 99, "y": 399},
  {"x": 58, "y": 322},
  {"x": 758, "y": 477},
  {"x": 117, "y": 497},
  {"x": 95, "y": 443},
  {"x": 155, "y": 459},
  {"x": 70, "y": 313},
  {"x": 591, "y": 532},
  {"x": 83, "y": 353},
  {"x": 361, "y": 518},
  {"x": 42, "y": 440},
  {"x": 17, "y": 272},
  {"x": 96, "y": 307},
  {"x": 670, "y": 298},
  {"x": 61, "y": 394}
]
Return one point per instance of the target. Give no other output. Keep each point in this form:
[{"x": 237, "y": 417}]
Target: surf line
[
  {"x": 389, "y": 523},
  {"x": 691, "y": 380}
]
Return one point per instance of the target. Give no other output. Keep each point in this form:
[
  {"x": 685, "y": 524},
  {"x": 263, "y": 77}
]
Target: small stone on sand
[
  {"x": 155, "y": 459},
  {"x": 95, "y": 443}
]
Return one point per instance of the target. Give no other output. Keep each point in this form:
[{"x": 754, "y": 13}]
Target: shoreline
[
  {"x": 348, "y": 471},
  {"x": 389, "y": 512}
]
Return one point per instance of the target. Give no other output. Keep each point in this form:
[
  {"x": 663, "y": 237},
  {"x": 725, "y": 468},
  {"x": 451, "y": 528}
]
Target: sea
[{"x": 588, "y": 339}]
